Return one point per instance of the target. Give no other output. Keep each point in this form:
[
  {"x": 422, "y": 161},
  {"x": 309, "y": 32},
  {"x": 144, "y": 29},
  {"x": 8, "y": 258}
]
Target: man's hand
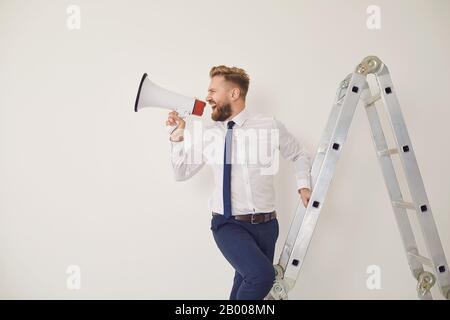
[
  {"x": 305, "y": 194},
  {"x": 174, "y": 119}
]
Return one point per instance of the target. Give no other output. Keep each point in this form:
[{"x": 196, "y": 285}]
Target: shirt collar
[{"x": 238, "y": 119}]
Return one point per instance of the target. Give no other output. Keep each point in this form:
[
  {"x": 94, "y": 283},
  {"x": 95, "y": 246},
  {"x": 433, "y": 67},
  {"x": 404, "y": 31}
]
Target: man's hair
[{"x": 235, "y": 75}]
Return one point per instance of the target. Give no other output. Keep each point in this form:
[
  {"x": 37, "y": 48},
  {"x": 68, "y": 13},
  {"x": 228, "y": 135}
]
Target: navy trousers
[{"x": 249, "y": 248}]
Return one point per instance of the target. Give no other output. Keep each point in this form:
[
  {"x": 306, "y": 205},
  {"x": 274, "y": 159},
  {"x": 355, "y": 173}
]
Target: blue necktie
[{"x": 227, "y": 171}]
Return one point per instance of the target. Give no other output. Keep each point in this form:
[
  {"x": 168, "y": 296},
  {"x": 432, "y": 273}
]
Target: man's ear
[{"x": 235, "y": 93}]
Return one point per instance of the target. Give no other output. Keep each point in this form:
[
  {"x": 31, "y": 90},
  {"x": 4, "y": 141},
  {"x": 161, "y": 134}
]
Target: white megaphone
[{"x": 151, "y": 95}]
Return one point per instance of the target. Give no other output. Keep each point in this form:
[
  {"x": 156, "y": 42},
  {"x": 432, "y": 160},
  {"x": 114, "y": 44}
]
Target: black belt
[{"x": 253, "y": 218}]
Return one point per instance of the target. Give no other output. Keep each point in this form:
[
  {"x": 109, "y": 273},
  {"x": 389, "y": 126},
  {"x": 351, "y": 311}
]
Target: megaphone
[{"x": 151, "y": 95}]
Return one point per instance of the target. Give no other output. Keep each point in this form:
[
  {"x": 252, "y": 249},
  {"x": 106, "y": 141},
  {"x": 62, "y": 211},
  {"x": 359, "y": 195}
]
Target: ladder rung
[
  {"x": 372, "y": 99},
  {"x": 421, "y": 259},
  {"x": 387, "y": 152},
  {"x": 403, "y": 204},
  {"x": 322, "y": 150}
]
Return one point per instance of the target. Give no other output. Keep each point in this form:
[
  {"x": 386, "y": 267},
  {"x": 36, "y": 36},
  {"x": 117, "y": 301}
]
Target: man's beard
[{"x": 221, "y": 113}]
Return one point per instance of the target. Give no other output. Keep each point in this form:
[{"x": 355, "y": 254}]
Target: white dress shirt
[{"x": 257, "y": 142}]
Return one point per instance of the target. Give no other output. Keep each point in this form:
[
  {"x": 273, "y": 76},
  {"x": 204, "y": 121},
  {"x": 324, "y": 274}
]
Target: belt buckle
[{"x": 252, "y": 220}]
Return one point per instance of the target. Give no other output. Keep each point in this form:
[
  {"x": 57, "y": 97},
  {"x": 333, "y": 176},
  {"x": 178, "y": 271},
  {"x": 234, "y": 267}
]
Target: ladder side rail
[
  {"x": 393, "y": 186},
  {"x": 414, "y": 180},
  {"x": 324, "y": 178},
  {"x": 317, "y": 164}
]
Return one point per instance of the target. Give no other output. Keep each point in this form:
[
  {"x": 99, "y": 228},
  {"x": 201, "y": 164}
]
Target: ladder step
[
  {"x": 387, "y": 152},
  {"x": 403, "y": 204},
  {"x": 421, "y": 259},
  {"x": 369, "y": 101},
  {"x": 322, "y": 150}
]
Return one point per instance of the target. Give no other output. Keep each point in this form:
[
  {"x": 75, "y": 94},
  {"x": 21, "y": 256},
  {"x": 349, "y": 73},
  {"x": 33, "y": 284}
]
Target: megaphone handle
[
  {"x": 170, "y": 129},
  {"x": 182, "y": 113}
]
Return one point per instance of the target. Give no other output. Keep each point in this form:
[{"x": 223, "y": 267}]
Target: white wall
[{"x": 86, "y": 181}]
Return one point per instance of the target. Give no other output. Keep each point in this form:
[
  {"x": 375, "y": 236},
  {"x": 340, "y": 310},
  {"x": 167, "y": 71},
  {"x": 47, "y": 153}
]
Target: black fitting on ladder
[
  {"x": 441, "y": 269},
  {"x": 336, "y": 146},
  {"x": 355, "y": 89},
  {"x": 405, "y": 149},
  {"x": 316, "y": 204},
  {"x": 295, "y": 262},
  {"x": 388, "y": 90},
  {"x": 423, "y": 208}
]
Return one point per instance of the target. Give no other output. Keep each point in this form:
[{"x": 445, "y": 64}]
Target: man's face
[{"x": 218, "y": 98}]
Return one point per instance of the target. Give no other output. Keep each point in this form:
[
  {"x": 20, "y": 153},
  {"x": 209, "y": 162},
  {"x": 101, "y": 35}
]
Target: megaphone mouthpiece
[{"x": 199, "y": 106}]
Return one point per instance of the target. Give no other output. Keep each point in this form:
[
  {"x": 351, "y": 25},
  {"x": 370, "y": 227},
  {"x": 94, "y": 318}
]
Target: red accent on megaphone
[{"x": 198, "y": 107}]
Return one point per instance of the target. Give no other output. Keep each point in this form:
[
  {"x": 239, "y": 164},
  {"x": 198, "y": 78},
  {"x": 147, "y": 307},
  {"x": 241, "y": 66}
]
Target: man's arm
[
  {"x": 185, "y": 163},
  {"x": 292, "y": 149}
]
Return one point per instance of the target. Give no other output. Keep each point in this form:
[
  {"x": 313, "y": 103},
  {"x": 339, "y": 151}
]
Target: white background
[{"x": 86, "y": 181}]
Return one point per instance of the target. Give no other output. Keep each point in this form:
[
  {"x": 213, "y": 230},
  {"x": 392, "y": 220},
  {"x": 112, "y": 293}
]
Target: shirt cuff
[{"x": 303, "y": 183}]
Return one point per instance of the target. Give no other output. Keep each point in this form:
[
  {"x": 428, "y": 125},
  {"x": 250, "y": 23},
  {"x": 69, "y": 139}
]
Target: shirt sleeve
[
  {"x": 291, "y": 149},
  {"x": 186, "y": 158}
]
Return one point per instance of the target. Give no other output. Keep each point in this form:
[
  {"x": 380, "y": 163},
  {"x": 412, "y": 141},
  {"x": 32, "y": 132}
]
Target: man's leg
[
  {"x": 240, "y": 248},
  {"x": 267, "y": 237},
  {"x": 236, "y": 285}
]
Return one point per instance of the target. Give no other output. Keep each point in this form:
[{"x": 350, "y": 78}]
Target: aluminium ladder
[{"x": 353, "y": 88}]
